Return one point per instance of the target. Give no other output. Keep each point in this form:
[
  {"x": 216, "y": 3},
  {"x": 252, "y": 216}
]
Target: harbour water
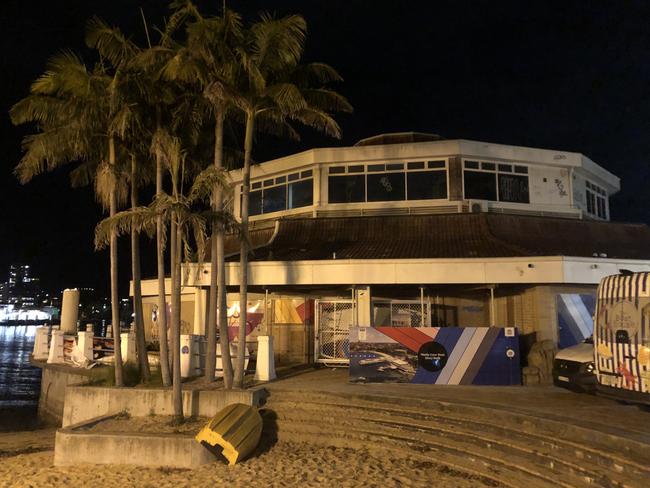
[{"x": 19, "y": 381}]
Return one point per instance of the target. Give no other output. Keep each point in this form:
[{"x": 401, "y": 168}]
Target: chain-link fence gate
[
  {"x": 401, "y": 313},
  {"x": 334, "y": 318}
]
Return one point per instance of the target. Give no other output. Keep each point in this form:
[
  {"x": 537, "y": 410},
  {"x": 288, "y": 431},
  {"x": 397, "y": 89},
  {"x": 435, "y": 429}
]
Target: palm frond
[
  {"x": 110, "y": 182},
  {"x": 319, "y": 120},
  {"x": 43, "y": 109},
  {"x": 84, "y": 174},
  {"x": 275, "y": 123},
  {"x": 277, "y": 43},
  {"x": 140, "y": 219},
  {"x": 50, "y": 149},
  {"x": 315, "y": 73},
  {"x": 66, "y": 73},
  {"x": 327, "y": 100},
  {"x": 110, "y": 42},
  {"x": 286, "y": 97},
  {"x": 205, "y": 183}
]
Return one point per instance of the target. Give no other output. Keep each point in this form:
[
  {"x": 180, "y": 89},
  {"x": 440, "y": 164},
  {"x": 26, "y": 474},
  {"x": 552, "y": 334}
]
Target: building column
[
  {"x": 363, "y": 299},
  {"x": 492, "y": 309},
  {"x": 200, "y": 311}
]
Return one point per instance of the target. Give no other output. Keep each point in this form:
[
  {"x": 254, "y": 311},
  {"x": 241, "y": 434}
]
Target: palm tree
[
  {"x": 163, "y": 97},
  {"x": 153, "y": 99},
  {"x": 187, "y": 225},
  {"x": 75, "y": 110},
  {"x": 111, "y": 44},
  {"x": 209, "y": 57},
  {"x": 273, "y": 89}
]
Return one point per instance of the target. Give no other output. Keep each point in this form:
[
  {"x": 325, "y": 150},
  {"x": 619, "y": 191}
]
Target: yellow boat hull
[{"x": 236, "y": 430}]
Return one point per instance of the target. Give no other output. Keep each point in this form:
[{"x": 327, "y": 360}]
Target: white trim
[{"x": 520, "y": 270}]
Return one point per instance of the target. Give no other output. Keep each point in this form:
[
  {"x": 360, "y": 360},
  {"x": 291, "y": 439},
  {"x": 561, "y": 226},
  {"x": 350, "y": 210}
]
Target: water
[{"x": 19, "y": 381}]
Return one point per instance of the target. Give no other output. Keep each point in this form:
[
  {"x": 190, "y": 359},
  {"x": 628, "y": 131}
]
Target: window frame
[
  {"x": 283, "y": 179},
  {"x": 599, "y": 200},
  {"x": 516, "y": 169},
  {"x": 374, "y": 167}
]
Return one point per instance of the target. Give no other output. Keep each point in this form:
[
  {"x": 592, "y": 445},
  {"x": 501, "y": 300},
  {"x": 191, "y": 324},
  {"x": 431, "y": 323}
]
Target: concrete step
[
  {"x": 491, "y": 472},
  {"x": 541, "y": 457},
  {"x": 617, "y": 452},
  {"x": 494, "y": 454}
]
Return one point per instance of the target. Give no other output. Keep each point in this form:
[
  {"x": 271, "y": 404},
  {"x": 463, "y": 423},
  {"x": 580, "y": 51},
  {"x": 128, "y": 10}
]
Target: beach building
[{"x": 413, "y": 230}]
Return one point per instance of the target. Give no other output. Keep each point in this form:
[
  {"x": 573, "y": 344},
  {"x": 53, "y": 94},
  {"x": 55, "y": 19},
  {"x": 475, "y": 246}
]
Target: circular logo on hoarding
[{"x": 432, "y": 356}]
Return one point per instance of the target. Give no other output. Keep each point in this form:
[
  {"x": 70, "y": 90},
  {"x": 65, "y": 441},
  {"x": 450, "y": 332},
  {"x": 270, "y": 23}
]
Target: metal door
[{"x": 333, "y": 320}]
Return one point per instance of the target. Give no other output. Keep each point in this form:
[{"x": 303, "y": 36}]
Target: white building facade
[{"x": 410, "y": 230}]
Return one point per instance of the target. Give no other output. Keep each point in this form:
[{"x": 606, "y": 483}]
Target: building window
[
  {"x": 596, "y": 200},
  {"x": 513, "y": 188},
  {"x": 426, "y": 185},
  {"x": 274, "y": 199},
  {"x": 388, "y": 182},
  {"x": 444, "y": 316},
  {"x": 482, "y": 186},
  {"x": 285, "y": 192},
  {"x": 347, "y": 188},
  {"x": 301, "y": 193},
  {"x": 255, "y": 203},
  {"x": 502, "y": 182},
  {"x": 386, "y": 187}
]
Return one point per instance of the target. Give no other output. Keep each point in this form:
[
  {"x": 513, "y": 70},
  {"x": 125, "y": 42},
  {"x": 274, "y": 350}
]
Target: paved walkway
[{"x": 551, "y": 403}]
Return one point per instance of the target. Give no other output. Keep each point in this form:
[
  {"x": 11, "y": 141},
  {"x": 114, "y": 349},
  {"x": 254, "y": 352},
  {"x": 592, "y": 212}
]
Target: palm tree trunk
[
  {"x": 211, "y": 328},
  {"x": 224, "y": 340},
  {"x": 177, "y": 394},
  {"x": 162, "y": 300},
  {"x": 222, "y": 316},
  {"x": 143, "y": 359},
  {"x": 217, "y": 288},
  {"x": 115, "y": 299},
  {"x": 243, "y": 258}
]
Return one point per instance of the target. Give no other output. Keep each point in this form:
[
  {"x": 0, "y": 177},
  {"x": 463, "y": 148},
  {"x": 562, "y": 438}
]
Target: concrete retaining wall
[
  {"x": 54, "y": 381},
  {"x": 74, "y": 446},
  {"x": 83, "y": 403}
]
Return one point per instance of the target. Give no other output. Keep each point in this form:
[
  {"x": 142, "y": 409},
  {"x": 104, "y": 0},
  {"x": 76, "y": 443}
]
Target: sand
[
  {"x": 281, "y": 464},
  {"x": 153, "y": 424}
]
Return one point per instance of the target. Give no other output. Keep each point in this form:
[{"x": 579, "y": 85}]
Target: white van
[{"x": 573, "y": 367}]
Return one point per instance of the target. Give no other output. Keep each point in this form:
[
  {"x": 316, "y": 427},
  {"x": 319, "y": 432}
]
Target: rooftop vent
[{"x": 398, "y": 138}]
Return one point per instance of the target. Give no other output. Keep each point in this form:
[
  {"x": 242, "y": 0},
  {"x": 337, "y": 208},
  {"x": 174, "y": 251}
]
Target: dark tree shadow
[{"x": 269, "y": 432}]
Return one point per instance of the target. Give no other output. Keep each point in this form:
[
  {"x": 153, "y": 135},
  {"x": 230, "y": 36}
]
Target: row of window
[
  {"x": 497, "y": 182},
  {"x": 284, "y": 192},
  {"x": 417, "y": 180},
  {"x": 420, "y": 180},
  {"x": 596, "y": 200}
]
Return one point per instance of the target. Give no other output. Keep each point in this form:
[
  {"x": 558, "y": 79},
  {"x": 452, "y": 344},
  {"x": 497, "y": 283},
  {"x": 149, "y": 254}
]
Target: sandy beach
[{"x": 26, "y": 461}]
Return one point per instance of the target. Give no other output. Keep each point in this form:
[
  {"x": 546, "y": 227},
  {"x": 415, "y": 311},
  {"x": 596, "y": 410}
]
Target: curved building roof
[
  {"x": 398, "y": 138},
  {"x": 481, "y": 235}
]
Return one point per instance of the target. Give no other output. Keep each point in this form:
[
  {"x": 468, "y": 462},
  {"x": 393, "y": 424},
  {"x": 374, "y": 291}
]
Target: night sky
[{"x": 566, "y": 75}]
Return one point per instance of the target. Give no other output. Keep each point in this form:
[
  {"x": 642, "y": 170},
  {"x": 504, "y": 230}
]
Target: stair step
[
  {"x": 503, "y": 473},
  {"x": 619, "y": 454},
  {"x": 489, "y": 439}
]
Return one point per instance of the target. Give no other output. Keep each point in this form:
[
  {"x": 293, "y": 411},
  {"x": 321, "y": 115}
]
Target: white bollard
[
  {"x": 85, "y": 344},
  {"x": 55, "y": 355},
  {"x": 70, "y": 311},
  {"x": 41, "y": 346},
  {"x": 190, "y": 360},
  {"x": 127, "y": 346},
  {"x": 265, "y": 368}
]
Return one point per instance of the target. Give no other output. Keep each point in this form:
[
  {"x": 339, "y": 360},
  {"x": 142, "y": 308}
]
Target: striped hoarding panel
[{"x": 431, "y": 355}]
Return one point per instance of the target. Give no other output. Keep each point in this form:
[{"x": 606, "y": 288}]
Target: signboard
[
  {"x": 574, "y": 318},
  {"x": 435, "y": 355}
]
